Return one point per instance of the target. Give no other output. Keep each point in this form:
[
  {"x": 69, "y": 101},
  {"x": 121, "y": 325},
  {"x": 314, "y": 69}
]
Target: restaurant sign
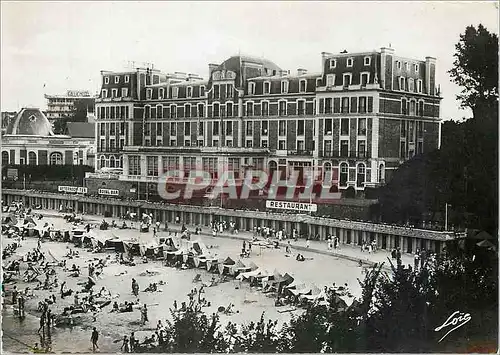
[{"x": 292, "y": 206}]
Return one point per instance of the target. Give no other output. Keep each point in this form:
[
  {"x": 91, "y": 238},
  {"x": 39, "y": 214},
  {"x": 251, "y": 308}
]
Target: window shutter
[
  {"x": 321, "y": 105},
  {"x": 370, "y": 103}
]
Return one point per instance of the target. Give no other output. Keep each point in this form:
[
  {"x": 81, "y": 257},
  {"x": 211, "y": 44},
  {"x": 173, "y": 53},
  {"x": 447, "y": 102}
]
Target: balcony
[
  {"x": 300, "y": 152},
  {"x": 351, "y": 154}
]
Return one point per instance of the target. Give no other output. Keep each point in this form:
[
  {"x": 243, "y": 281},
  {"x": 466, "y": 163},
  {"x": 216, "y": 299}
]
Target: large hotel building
[{"x": 354, "y": 123}]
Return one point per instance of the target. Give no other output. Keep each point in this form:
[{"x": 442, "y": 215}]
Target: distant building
[
  {"x": 7, "y": 116},
  {"x": 64, "y": 105},
  {"x": 29, "y": 140}
]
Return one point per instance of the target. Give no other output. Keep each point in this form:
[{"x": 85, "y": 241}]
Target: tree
[{"x": 475, "y": 68}]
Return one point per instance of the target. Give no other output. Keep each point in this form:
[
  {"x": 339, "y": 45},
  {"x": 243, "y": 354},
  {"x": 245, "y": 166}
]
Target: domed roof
[{"x": 30, "y": 122}]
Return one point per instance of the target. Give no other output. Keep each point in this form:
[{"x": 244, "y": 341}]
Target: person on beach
[
  {"x": 94, "y": 338},
  {"x": 125, "y": 345},
  {"x": 144, "y": 315},
  {"x": 15, "y": 293},
  {"x": 42, "y": 321}
]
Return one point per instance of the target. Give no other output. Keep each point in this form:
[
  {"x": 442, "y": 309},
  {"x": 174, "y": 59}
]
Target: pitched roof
[{"x": 81, "y": 129}]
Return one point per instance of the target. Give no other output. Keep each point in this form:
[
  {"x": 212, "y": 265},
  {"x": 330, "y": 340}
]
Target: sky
[{"x": 50, "y": 47}]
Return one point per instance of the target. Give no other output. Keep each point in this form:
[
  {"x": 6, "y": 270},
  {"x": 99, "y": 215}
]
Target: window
[
  {"x": 343, "y": 174},
  {"x": 229, "y": 90},
  {"x": 175, "y": 92},
  {"x": 264, "y": 143},
  {"x": 127, "y": 78},
  {"x": 330, "y": 80},
  {"x": 102, "y": 161},
  {"x": 345, "y": 105},
  {"x": 216, "y": 92},
  {"x": 282, "y": 108},
  {"x": 333, "y": 63},
  {"x": 419, "y": 86},
  {"x": 403, "y": 128},
  {"x": 398, "y": 65},
  {"x": 229, "y": 128},
  {"x": 114, "y": 92},
  {"x": 249, "y": 128},
  {"x": 344, "y": 148},
  {"x": 173, "y": 129},
  {"x": 362, "y": 149},
  {"x": 249, "y": 108},
  {"x": 117, "y": 79},
  {"x": 112, "y": 129},
  {"x": 147, "y": 112},
  {"x": 365, "y": 77},
  {"x": 149, "y": 93},
  {"x": 201, "y": 110},
  {"x": 112, "y": 144},
  {"x": 367, "y": 61},
  {"x": 106, "y": 80},
  {"x": 420, "y": 147},
  {"x": 360, "y": 179},
  {"x": 402, "y": 151},
  {"x": 251, "y": 88},
  {"x": 303, "y": 85},
  {"x": 124, "y": 92},
  {"x": 264, "y": 128},
  {"x": 411, "y": 131},
  {"x": 170, "y": 163},
  {"x": 347, "y": 80},
  {"x": 215, "y": 143},
  {"x": 265, "y": 108},
  {"x": 362, "y": 104},
  {"x": 189, "y": 163},
  {"x": 412, "y": 108},
  {"x": 159, "y": 111},
  {"x": 421, "y": 108},
  {"x": 404, "y": 107},
  {"x": 229, "y": 109},
  {"x": 200, "y": 128},
  {"x": 411, "y": 85},
  {"x": 362, "y": 126},
  {"x": 103, "y": 144},
  {"x": 344, "y": 126},
  {"x": 402, "y": 84},
  {"x": 249, "y": 143},
  {"x": 215, "y": 126},
  {"x": 328, "y": 105},
  {"x": 282, "y": 128},
  {"x": 407, "y": 66},
  {"x": 281, "y": 144},
  {"x": 216, "y": 110},
  {"x": 301, "y": 107},
  {"x": 56, "y": 158},
  {"x": 187, "y": 128},
  {"x": 267, "y": 88},
  {"x": 300, "y": 146},
  {"x": 147, "y": 129},
  {"x": 161, "y": 93},
  {"x": 300, "y": 127},
  {"x": 134, "y": 165},
  {"x": 202, "y": 91},
  {"x": 173, "y": 142},
  {"x": 318, "y": 82},
  {"x": 103, "y": 129},
  {"x": 328, "y": 125},
  {"x": 189, "y": 92},
  {"x": 284, "y": 87},
  {"x": 187, "y": 142},
  {"x": 122, "y": 143},
  {"x": 31, "y": 158},
  {"x": 350, "y": 61},
  {"x": 173, "y": 111}
]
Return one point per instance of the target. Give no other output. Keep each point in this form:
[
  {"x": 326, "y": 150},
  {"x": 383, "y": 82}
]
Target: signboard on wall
[
  {"x": 72, "y": 189},
  {"x": 292, "y": 206},
  {"x": 108, "y": 192},
  {"x": 77, "y": 93}
]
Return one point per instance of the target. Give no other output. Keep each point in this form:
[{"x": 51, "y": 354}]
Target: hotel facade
[{"x": 350, "y": 125}]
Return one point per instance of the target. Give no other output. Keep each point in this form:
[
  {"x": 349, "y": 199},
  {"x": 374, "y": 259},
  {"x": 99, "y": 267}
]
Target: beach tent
[
  {"x": 115, "y": 244},
  {"x": 10, "y": 220},
  {"x": 486, "y": 244},
  {"x": 212, "y": 264},
  {"x": 237, "y": 268},
  {"x": 225, "y": 266}
]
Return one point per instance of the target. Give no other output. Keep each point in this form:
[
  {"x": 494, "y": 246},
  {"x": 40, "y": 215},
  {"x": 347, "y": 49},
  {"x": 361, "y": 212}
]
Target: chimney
[
  {"x": 430, "y": 75},
  {"x": 386, "y": 53},
  {"x": 324, "y": 57},
  {"x": 211, "y": 68},
  {"x": 301, "y": 71}
]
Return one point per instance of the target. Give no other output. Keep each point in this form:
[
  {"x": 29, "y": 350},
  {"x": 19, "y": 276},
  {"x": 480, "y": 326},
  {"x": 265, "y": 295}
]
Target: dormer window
[
  {"x": 303, "y": 85},
  {"x": 267, "y": 88},
  {"x": 411, "y": 85},
  {"x": 106, "y": 80},
  {"x": 114, "y": 93},
  {"x": 32, "y": 118},
  {"x": 333, "y": 63},
  {"x": 407, "y": 66},
  {"x": 216, "y": 92},
  {"x": 161, "y": 93},
  {"x": 149, "y": 94},
  {"x": 104, "y": 93},
  {"x": 124, "y": 92},
  {"x": 367, "y": 61},
  {"x": 202, "y": 91},
  {"x": 127, "y": 78},
  {"x": 189, "y": 93},
  {"x": 251, "y": 88},
  {"x": 318, "y": 82},
  {"x": 229, "y": 90},
  {"x": 350, "y": 62},
  {"x": 419, "y": 86},
  {"x": 402, "y": 84},
  {"x": 398, "y": 65},
  {"x": 347, "y": 79},
  {"x": 117, "y": 79},
  {"x": 284, "y": 87},
  {"x": 330, "y": 80},
  {"x": 175, "y": 92},
  {"x": 416, "y": 68},
  {"x": 365, "y": 78}
]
